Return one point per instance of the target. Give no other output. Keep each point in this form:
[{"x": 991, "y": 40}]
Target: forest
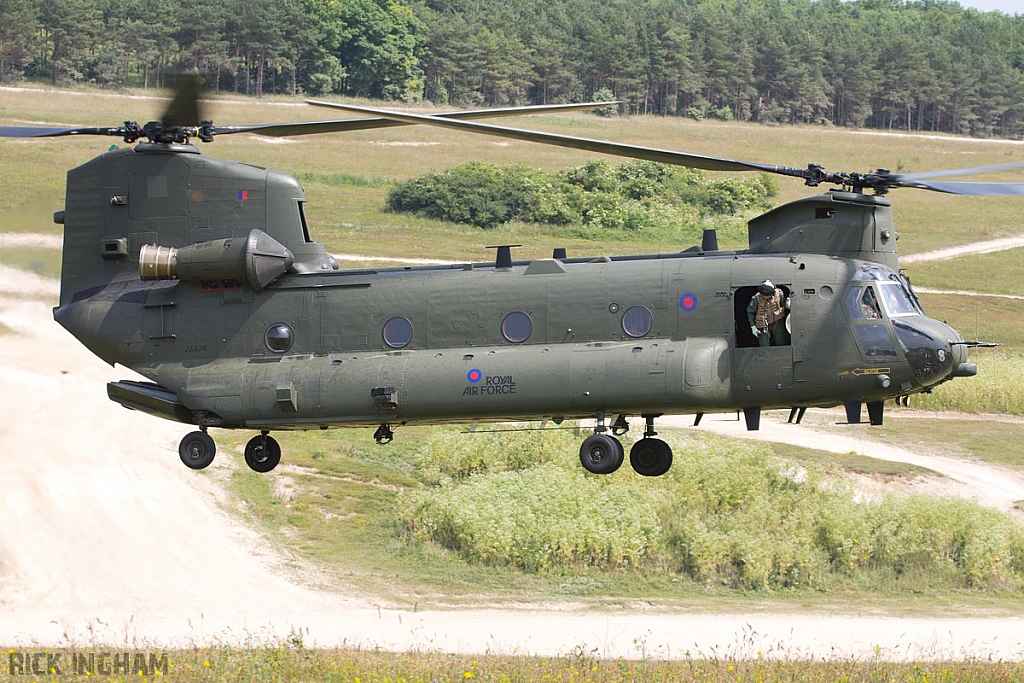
[{"x": 923, "y": 65}]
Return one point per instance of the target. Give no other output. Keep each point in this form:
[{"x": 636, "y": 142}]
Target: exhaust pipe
[{"x": 259, "y": 260}]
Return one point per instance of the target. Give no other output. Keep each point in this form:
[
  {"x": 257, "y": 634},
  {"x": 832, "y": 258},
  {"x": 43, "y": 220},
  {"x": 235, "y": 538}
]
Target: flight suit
[{"x": 768, "y": 315}]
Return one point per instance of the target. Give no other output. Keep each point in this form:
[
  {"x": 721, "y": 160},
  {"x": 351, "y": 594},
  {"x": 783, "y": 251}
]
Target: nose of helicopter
[{"x": 934, "y": 350}]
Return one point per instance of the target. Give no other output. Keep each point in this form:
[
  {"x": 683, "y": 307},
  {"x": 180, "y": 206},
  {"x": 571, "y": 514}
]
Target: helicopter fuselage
[{"x": 240, "y": 320}]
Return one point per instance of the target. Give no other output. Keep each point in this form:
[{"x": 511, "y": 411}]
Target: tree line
[{"x": 922, "y": 65}]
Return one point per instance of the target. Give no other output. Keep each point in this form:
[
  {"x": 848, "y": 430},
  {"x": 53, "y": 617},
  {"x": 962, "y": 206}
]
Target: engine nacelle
[{"x": 258, "y": 259}]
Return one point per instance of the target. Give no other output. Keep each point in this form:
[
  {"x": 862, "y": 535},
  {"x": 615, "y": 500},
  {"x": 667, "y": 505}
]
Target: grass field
[{"x": 291, "y": 662}]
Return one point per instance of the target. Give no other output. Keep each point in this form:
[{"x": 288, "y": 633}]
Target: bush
[
  {"x": 474, "y": 193},
  {"x": 634, "y": 197},
  {"x": 606, "y": 95},
  {"x": 536, "y": 519},
  {"x": 727, "y": 514}
]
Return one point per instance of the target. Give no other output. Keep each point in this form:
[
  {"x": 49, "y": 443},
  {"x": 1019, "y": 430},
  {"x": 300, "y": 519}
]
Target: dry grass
[{"x": 292, "y": 661}]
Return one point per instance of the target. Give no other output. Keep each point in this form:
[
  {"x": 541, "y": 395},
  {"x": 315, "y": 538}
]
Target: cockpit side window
[
  {"x": 852, "y": 305},
  {"x": 896, "y": 301},
  {"x": 869, "y": 304},
  {"x": 875, "y": 341}
]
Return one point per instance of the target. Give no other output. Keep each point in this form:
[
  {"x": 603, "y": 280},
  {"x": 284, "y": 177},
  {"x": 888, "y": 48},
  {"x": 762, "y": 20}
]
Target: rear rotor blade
[
  {"x": 346, "y": 125},
  {"x": 618, "y": 149},
  {"x": 184, "y": 109}
]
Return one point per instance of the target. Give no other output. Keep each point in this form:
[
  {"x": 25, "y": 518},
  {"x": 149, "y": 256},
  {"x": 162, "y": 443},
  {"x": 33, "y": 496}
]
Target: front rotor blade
[
  {"x": 1013, "y": 166},
  {"x": 45, "y": 132},
  {"x": 970, "y": 189},
  {"x": 618, "y": 149},
  {"x": 346, "y": 125},
  {"x": 183, "y": 111}
]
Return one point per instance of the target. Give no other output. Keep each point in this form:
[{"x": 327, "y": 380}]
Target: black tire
[
  {"x": 650, "y": 457},
  {"x": 197, "y": 450},
  {"x": 601, "y": 454},
  {"x": 262, "y": 453}
]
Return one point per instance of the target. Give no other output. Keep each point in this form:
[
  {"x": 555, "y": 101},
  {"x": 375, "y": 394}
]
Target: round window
[
  {"x": 517, "y": 327},
  {"x": 397, "y": 333},
  {"x": 637, "y": 321},
  {"x": 279, "y": 337}
]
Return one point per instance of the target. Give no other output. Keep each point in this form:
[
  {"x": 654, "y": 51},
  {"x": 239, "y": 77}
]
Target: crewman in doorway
[{"x": 767, "y": 312}]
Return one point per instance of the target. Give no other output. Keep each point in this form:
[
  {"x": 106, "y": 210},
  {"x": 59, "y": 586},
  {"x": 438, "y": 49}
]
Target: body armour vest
[{"x": 769, "y": 310}]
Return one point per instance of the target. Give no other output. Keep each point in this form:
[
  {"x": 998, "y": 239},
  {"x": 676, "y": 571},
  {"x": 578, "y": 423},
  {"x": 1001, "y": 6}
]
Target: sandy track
[{"x": 105, "y": 537}]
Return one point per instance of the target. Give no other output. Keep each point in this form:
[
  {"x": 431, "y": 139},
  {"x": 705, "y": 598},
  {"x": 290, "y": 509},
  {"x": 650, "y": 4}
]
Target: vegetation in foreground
[
  {"x": 438, "y": 512},
  {"x": 995, "y": 389},
  {"x": 292, "y": 661}
]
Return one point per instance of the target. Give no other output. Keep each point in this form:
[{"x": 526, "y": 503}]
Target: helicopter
[{"x": 201, "y": 275}]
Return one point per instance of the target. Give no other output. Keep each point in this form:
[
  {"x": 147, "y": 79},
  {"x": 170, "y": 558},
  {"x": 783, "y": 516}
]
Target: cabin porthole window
[
  {"x": 637, "y": 321},
  {"x": 398, "y": 332},
  {"x": 279, "y": 337},
  {"x": 516, "y": 327}
]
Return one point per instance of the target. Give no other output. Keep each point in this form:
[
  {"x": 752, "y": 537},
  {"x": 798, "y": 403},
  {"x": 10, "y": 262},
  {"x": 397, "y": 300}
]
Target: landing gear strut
[
  {"x": 262, "y": 453},
  {"x": 384, "y": 434},
  {"x": 197, "y": 449}
]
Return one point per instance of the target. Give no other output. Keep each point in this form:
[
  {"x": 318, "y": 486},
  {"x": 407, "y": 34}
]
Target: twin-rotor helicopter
[{"x": 201, "y": 275}]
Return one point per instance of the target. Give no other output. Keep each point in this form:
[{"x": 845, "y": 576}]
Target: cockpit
[
  {"x": 889, "y": 322},
  {"x": 876, "y": 287}
]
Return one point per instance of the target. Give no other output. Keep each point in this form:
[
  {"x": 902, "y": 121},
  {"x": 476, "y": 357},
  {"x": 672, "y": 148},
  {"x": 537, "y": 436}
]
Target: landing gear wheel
[
  {"x": 196, "y": 450},
  {"x": 601, "y": 454},
  {"x": 650, "y": 457},
  {"x": 262, "y": 453}
]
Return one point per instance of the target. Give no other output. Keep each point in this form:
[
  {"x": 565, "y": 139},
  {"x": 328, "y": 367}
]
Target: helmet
[{"x": 766, "y": 288}]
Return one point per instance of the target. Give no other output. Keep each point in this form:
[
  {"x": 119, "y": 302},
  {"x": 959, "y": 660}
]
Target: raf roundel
[
  {"x": 688, "y": 302},
  {"x": 474, "y": 375}
]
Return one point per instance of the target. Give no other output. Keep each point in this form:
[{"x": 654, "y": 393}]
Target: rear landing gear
[
  {"x": 650, "y": 457},
  {"x": 603, "y": 454},
  {"x": 262, "y": 453},
  {"x": 196, "y": 450}
]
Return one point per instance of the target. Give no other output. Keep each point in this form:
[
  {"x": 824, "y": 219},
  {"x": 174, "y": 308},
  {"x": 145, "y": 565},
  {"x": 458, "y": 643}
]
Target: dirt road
[{"x": 106, "y": 538}]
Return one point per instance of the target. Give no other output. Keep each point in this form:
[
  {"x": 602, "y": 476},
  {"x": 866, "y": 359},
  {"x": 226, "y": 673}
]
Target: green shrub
[
  {"x": 605, "y": 95},
  {"x": 474, "y": 193},
  {"x": 727, "y": 513},
  {"x": 632, "y": 198},
  {"x": 539, "y": 518}
]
